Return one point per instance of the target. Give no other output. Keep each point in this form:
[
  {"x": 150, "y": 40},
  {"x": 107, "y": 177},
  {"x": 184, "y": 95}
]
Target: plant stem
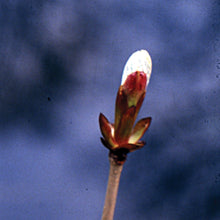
[{"x": 112, "y": 189}]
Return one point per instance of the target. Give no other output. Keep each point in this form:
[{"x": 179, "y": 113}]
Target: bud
[
  {"x": 130, "y": 96},
  {"x": 136, "y": 76},
  {"x": 138, "y": 61}
]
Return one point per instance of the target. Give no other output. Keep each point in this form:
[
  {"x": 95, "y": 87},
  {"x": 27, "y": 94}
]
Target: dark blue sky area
[{"x": 61, "y": 65}]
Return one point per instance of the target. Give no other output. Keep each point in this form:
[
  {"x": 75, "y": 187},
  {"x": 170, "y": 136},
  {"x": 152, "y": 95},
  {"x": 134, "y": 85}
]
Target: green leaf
[
  {"x": 132, "y": 147},
  {"x": 139, "y": 130},
  {"x": 107, "y": 130},
  {"x": 125, "y": 126},
  {"x": 121, "y": 106}
]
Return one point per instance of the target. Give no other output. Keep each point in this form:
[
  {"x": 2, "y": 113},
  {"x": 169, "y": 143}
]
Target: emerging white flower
[{"x": 138, "y": 61}]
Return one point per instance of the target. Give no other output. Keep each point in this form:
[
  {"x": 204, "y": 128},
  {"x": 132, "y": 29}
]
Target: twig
[{"x": 112, "y": 189}]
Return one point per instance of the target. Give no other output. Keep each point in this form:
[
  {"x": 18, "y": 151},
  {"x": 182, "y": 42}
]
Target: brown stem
[{"x": 112, "y": 188}]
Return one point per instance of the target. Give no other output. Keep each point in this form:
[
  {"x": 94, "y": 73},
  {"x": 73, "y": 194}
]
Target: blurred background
[{"x": 61, "y": 64}]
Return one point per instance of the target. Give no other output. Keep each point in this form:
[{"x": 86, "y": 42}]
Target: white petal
[{"x": 138, "y": 61}]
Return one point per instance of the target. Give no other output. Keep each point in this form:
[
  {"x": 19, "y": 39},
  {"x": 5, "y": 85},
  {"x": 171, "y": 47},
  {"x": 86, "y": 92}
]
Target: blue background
[{"x": 61, "y": 64}]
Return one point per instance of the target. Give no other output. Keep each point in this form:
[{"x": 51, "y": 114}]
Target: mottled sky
[{"x": 61, "y": 65}]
